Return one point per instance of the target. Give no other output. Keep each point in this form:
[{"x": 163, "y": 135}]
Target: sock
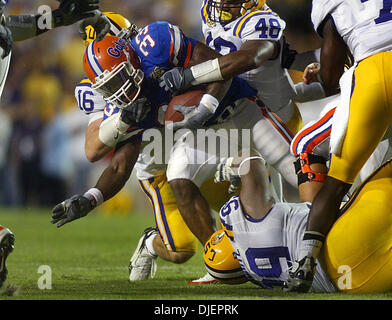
[
  {"x": 149, "y": 244},
  {"x": 311, "y": 244}
]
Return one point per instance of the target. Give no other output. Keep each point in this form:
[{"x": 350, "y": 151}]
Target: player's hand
[
  {"x": 6, "y": 41},
  {"x": 72, "y": 11},
  {"x": 226, "y": 172},
  {"x": 136, "y": 111},
  {"x": 71, "y": 209},
  {"x": 311, "y": 73},
  {"x": 176, "y": 79},
  {"x": 288, "y": 55},
  {"x": 99, "y": 22},
  {"x": 194, "y": 117}
]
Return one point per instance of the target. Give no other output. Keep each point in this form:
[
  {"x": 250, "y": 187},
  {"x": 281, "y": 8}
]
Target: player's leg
[
  {"x": 7, "y": 240},
  {"x": 310, "y": 146},
  {"x": 171, "y": 240},
  {"x": 364, "y": 263},
  {"x": 370, "y": 108}
]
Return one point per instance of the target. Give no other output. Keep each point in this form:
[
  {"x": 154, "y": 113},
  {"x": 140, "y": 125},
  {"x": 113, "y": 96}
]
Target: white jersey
[
  {"x": 273, "y": 83},
  {"x": 364, "y": 25},
  {"x": 266, "y": 247}
]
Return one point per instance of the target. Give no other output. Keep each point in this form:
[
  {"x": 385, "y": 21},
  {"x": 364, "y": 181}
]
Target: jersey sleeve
[
  {"x": 320, "y": 11},
  {"x": 89, "y": 101},
  {"x": 260, "y": 25},
  {"x": 162, "y": 45}
]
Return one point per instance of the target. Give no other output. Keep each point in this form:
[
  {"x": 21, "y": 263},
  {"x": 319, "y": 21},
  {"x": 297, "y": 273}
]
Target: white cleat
[
  {"x": 207, "y": 279},
  {"x": 7, "y": 240},
  {"x": 143, "y": 263}
]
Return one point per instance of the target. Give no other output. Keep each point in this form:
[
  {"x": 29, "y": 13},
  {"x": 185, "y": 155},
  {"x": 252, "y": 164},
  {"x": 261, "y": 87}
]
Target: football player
[
  {"x": 22, "y": 27},
  {"x": 249, "y": 36},
  {"x": 266, "y": 235},
  {"x": 361, "y": 27},
  {"x": 115, "y": 128}
]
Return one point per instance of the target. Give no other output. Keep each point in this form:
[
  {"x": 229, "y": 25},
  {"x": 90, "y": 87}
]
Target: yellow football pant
[
  {"x": 174, "y": 232},
  {"x": 370, "y": 116},
  {"x": 361, "y": 238}
]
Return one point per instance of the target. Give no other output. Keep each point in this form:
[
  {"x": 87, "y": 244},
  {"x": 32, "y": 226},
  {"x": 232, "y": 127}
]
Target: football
[{"x": 189, "y": 99}]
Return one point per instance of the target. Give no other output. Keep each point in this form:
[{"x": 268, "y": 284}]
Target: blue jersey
[{"x": 161, "y": 47}]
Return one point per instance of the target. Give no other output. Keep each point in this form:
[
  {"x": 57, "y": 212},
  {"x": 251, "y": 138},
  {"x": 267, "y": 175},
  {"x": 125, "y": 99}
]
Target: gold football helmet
[
  {"x": 220, "y": 261},
  {"x": 117, "y": 23},
  {"x": 220, "y": 10}
]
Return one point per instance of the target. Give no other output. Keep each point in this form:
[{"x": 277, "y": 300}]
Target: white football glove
[{"x": 226, "y": 172}]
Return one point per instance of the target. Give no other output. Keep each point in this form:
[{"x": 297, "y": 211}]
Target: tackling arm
[{"x": 109, "y": 184}]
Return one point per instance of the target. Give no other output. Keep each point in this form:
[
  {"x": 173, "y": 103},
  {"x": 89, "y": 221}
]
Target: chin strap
[{"x": 303, "y": 170}]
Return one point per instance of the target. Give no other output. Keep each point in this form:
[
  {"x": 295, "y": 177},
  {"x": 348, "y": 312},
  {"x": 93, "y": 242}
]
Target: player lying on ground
[
  {"x": 266, "y": 236},
  {"x": 346, "y": 25},
  {"x": 249, "y": 36}
]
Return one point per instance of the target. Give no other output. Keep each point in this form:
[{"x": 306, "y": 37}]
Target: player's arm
[
  {"x": 333, "y": 57},
  {"x": 24, "y": 27},
  {"x": 248, "y": 170},
  {"x": 111, "y": 181}
]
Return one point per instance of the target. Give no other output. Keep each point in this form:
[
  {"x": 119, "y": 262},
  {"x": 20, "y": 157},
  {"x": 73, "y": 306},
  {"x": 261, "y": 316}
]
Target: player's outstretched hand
[
  {"x": 99, "y": 22},
  {"x": 226, "y": 172},
  {"x": 71, "y": 209},
  {"x": 6, "y": 41},
  {"x": 194, "y": 117},
  {"x": 72, "y": 11},
  {"x": 176, "y": 79},
  {"x": 311, "y": 73}
]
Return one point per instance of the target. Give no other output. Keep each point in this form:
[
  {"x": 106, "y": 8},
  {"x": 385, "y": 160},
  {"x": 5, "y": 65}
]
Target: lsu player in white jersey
[
  {"x": 363, "y": 28},
  {"x": 249, "y": 36},
  {"x": 22, "y": 27},
  {"x": 266, "y": 235}
]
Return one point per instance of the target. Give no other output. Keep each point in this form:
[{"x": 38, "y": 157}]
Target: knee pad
[{"x": 303, "y": 170}]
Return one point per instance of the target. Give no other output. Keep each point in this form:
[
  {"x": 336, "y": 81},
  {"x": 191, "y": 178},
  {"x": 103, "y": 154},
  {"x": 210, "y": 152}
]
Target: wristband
[
  {"x": 205, "y": 72},
  {"x": 210, "y": 102},
  {"x": 95, "y": 196}
]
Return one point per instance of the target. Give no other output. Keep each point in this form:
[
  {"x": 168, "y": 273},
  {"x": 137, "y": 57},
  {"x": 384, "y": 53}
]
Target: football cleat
[
  {"x": 143, "y": 263},
  {"x": 300, "y": 276},
  {"x": 207, "y": 279},
  {"x": 7, "y": 240}
]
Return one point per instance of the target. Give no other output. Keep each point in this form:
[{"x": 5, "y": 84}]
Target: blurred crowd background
[{"x": 42, "y": 159}]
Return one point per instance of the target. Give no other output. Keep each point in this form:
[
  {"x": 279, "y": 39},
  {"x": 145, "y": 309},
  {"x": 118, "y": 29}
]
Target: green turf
[{"x": 89, "y": 260}]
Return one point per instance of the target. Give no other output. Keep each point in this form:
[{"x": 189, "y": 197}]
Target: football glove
[
  {"x": 194, "y": 117},
  {"x": 133, "y": 114},
  {"x": 71, "y": 11},
  {"x": 300, "y": 276},
  {"x": 176, "y": 79},
  {"x": 100, "y": 23},
  {"x": 288, "y": 55},
  {"x": 6, "y": 42},
  {"x": 225, "y": 172},
  {"x": 71, "y": 209}
]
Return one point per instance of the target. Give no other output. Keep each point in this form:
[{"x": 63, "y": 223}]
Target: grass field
[{"x": 89, "y": 260}]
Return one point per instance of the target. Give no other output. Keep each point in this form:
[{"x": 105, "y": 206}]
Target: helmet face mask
[
  {"x": 121, "y": 86},
  {"x": 225, "y": 11}
]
